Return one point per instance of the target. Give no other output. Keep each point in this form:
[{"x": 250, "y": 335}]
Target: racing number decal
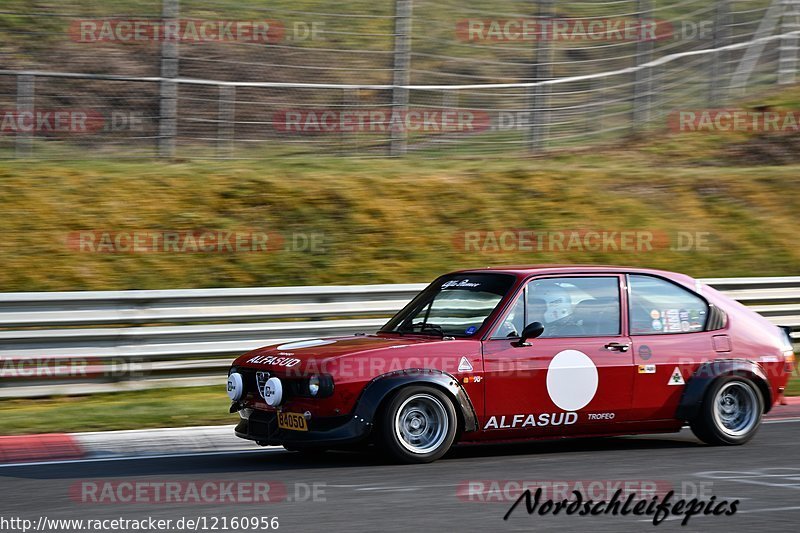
[{"x": 571, "y": 380}]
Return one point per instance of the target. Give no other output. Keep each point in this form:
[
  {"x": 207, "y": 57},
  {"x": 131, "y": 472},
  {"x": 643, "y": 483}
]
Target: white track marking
[
  {"x": 781, "y": 421},
  {"x": 137, "y": 457},
  {"x": 269, "y": 449},
  {"x": 746, "y": 511}
]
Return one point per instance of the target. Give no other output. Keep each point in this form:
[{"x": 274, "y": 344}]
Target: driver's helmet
[{"x": 557, "y": 301}]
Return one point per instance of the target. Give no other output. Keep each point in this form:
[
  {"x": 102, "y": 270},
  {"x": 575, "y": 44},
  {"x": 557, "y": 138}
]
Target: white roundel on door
[{"x": 571, "y": 380}]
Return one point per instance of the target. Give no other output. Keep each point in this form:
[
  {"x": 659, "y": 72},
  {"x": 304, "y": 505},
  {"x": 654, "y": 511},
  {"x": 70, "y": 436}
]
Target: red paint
[
  {"x": 44, "y": 447},
  {"x": 512, "y": 381}
]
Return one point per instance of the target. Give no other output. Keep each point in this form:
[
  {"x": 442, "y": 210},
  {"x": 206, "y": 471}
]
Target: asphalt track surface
[{"x": 361, "y": 493}]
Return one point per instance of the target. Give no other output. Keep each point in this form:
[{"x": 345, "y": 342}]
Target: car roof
[{"x": 524, "y": 271}]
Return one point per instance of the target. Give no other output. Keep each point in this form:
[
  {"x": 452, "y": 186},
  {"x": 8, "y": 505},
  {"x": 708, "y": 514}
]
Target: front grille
[{"x": 292, "y": 387}]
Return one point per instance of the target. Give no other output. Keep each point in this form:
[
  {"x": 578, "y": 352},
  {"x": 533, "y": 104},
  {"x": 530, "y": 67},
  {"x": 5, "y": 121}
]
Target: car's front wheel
[
  {"x": 731, "y": 412},
  {"x": 418, "y": 425}
]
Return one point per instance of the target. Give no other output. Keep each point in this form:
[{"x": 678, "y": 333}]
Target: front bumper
[{"x": 262, "y": 426}]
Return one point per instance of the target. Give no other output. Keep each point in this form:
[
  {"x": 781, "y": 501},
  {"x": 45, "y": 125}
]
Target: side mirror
[{"x": 531, "y": 331}]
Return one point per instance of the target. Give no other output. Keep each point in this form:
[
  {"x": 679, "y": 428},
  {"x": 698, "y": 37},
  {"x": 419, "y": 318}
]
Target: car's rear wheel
[
  {"x": 731, "y": 412},
  {"x": 418, "y": 425}
]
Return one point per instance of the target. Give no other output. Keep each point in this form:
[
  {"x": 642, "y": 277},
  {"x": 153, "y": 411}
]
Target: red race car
[{"x": 512, "y": 354}]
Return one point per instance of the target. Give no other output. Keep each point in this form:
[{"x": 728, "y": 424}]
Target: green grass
[
  {"x": 793, "y": 387},
  {"x": 391, "y": 220},
  {"x": 125, "y": 410}
]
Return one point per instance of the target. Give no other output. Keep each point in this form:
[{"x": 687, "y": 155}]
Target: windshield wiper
[{"x": 422, "y": 326}]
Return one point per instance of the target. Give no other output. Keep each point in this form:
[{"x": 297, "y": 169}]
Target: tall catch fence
[{"x": 144, "y": 78}]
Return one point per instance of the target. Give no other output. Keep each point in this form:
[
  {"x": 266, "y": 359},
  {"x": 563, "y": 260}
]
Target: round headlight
[
  {"x": 235, "y": 386},
  {"x": 313, "y": 385},
  {"x": 272, "y": 392}
]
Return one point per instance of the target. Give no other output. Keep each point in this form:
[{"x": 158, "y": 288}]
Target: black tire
[
  {"x": 418, "y": 425},
  {"x": 731, "y": 412}
]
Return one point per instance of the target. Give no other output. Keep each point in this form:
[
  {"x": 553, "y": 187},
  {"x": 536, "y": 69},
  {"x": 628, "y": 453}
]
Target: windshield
[{"x": 455, "y": 305}]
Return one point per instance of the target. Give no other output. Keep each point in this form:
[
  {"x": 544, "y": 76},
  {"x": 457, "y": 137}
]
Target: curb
[
  {"x": 162, "y": 441},
  {"x": 43, "y": 447},
  {"x": 128, "y": 443},
  {"x": 173, "y": 441}
]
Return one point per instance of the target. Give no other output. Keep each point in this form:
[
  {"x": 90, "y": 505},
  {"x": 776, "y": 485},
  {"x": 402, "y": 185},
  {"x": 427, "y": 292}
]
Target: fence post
[
  {"x": 351, "y": 99},
  {"x": 642, "y": 83},
  {"x": 719, "y": 60},
  {"x": 168, "y": 115},
  {"x": 596, "y": 108},
  {"x": 226, "y": 120},
  {"x": 25, "y": 95},
  {"x": 752, "y": 55},
  {"x": 402, "y": 71},
  {"x": 787, "y": 60},
  {"x": 542, "y": 70}
]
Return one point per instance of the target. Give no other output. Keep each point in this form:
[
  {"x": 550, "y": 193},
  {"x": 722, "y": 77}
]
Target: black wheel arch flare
[
  {"x": 698, "y": 383},
  {"x": 381, "y": 387}
]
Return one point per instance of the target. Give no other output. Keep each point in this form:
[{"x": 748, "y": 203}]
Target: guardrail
[{"x": 90, "y": 342}]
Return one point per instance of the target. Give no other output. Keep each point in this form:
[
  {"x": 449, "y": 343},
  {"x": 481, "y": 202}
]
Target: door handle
[{"x": 618, "y": 346}]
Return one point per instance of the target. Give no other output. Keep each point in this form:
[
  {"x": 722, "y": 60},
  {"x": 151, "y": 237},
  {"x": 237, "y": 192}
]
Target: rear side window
[{"x": 658, "y": 307}]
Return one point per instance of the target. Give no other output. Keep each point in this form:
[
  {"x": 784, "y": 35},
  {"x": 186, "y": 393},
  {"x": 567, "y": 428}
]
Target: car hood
[{"x": 324, "y": 355}]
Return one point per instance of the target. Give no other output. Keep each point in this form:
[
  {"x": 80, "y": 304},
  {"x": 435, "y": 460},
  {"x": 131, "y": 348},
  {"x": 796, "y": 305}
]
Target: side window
[
  {"x": 567, "y": 307},
  {"x": 658, "y": 306},
  {"x": 514, "y": 322},
  {"x": 575, "y": 307}
]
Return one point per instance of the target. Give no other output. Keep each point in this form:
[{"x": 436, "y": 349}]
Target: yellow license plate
[{"x": 293, "y": 421}]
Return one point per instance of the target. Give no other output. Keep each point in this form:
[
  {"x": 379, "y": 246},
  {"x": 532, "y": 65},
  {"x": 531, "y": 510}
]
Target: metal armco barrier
[{"x": 90, "y": 342}]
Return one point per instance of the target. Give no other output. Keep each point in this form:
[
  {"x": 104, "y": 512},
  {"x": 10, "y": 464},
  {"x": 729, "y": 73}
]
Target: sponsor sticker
[
  {"x": 647, "y": 369},
  {"x": 531, "y": 420},
  {"x": 459, "y": 284},
  {"x": 276, "y": 361},
  {"x": 645, "y": 352},
  {"x": 676, "y": 378}
]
